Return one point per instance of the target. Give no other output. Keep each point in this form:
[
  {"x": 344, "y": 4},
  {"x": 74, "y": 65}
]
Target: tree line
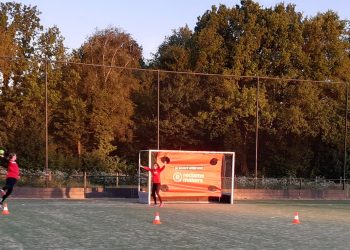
[{"x": 102, "y": 98}]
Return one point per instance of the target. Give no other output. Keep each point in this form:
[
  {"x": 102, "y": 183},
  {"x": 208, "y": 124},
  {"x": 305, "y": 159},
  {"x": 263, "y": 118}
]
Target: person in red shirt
[
  {"x": 156, "y": 171},
  {"x": 11, "y": 177}
]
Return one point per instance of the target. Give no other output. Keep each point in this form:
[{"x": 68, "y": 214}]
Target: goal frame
[{"x": 149, "y": 181}]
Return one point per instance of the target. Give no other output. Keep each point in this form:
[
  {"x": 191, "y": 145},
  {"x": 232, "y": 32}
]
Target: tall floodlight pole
[
  {"x": 46, "y": 126},
  {"x": 158, "y": 110},
  {"x": 345, "y": 133}
]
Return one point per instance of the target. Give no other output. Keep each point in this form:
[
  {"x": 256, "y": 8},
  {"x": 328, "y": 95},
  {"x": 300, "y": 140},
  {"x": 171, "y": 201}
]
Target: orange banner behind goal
[{"x": 191, "y": 174}]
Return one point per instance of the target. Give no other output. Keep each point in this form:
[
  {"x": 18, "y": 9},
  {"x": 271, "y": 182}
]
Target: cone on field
[
  {"x": 5, "y": 211},
  {"x": 156, "y": 220},
  {"x": 296, "y": 218}
]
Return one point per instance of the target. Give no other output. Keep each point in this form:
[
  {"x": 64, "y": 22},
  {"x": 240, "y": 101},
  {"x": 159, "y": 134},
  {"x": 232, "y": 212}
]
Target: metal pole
[
  {"x": 345, "y": 133},
  {"x": 139, "y": 174},
  {"x": 85, "y": 184},
  {"x": 257, "y": 131},
  {"x": 158, "y": 111},
  {"x": 46, "y": 127},
  {"x": 149, "y": 178},
  {"x": 232, "y": 178}
]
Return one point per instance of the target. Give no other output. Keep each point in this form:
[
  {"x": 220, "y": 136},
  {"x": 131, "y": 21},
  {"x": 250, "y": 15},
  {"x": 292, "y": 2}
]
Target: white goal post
[{"x": 205, "y": 175}]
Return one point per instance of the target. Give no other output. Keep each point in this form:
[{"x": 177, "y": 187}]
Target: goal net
[{"x": 189, "y": 176}]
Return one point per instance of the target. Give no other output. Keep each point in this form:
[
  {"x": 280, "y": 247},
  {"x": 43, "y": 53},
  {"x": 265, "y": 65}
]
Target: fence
[
  {"x": 290, "y": 183},
  {"x": 75, "y": 181},
  {"x": 119, "y": 181}
]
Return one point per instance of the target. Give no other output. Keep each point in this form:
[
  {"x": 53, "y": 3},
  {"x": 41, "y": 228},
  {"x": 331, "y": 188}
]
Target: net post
[
  {"x": 232, "y": 177},
  {"x": 139, "y": 174},
  {"x": 85, "y": 184},
  {"x": 149, "y": 177}
]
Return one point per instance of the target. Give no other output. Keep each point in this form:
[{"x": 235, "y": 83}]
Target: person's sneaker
[
  {"x": 2, "y": 192},
  {"x": 161, "y": 205}
]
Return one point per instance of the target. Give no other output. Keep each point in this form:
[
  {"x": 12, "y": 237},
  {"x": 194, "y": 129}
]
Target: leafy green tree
[
  {"x": 99, "y": 110},
  {"x": 181, "y": 96},
  {"x": 20, "y": 94},
  {"x": 101, "y": 103},
  {"x": 296, "y": 118},
  {"x": 314, "y": 114},
  {"x": 327, "y": 46}
]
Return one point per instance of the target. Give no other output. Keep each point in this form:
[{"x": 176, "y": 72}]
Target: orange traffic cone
[
  {"x": 296, "y": 218},
  {"x": 5, "y": 211},
  {"x": 156, "y": 220}
]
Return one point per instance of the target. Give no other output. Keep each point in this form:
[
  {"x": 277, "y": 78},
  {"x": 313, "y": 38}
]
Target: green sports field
[{"x": 126, "y": 224}]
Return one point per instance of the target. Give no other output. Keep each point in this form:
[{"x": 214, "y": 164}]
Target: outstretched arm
[
  {"x": 162, "y": 168},
  {"x": 146, "y": 168}
]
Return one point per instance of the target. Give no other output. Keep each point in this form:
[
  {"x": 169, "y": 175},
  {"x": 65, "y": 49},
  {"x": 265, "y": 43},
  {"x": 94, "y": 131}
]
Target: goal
[{"x": 190, "y": 176}]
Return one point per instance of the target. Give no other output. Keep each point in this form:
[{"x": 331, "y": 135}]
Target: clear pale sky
[{"x": 148, "y": 21}]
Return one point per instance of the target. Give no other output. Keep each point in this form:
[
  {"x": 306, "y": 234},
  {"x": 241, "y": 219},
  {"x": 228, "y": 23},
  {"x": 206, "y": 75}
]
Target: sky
[{"x": 148, "y": 21}]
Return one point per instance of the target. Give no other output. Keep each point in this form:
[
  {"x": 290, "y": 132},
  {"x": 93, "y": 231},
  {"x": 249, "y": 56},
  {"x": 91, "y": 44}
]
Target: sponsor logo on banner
[{"x": 177, "y": 177}]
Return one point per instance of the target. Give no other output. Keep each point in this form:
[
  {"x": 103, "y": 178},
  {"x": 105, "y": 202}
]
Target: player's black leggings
[
  {"x": 10, "y": 183},
  {"x": 156, "y": 189}
]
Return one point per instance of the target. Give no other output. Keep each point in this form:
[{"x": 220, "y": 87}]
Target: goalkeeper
[{"x": 156, "y": 171}]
